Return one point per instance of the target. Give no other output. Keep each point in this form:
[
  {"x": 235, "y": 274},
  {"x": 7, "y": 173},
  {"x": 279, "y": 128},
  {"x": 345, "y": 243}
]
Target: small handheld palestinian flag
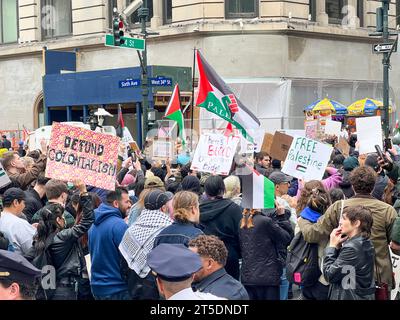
[
  {"x": 121, "y": 124},
  {"x": 216, "y": 97},
  {"x": 174, "y": 112},
  {"x": 258, "y": 191}
]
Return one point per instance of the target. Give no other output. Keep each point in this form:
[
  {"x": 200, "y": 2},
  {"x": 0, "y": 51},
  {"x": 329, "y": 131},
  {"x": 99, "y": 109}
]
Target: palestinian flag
[
  {"x": 121, "y": 125},
  {"x": 216, "y": 97},
  {"x": 258, "y": 191},
  {"x": 174, "y": 113}
]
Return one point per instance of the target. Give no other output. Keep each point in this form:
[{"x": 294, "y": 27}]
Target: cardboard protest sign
[
  {"x": 333, "y": 127},
  {"x": 267, "y": 143},
  {"x": 369, "y": 133},
  {"x": 307, "y": 159},
  {"x": 214, "y": 153},
  {"x": 4, "y": 179},
  {"x": 78, "y": 153},
  {"x": 396, "y": 271},
  {"x": 343, "y": 146},
  {"x": 311, "y": 126},
  {"x": 280, "y": 146}
]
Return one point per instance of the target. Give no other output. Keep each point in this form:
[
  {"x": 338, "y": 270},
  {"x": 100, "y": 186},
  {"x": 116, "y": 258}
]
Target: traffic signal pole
[
  {"x": 386, "y": 66},
  {"x": 143, "y": 13}
]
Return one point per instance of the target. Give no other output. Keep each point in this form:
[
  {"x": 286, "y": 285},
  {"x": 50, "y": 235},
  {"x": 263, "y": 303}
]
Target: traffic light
[
  {"x": 379, "y": 19},
  {"x": 118, "y": 26}
]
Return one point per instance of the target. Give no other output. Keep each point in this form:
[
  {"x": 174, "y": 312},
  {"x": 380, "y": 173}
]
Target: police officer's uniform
[
  {"x": 16, "y": 268},
  {"x": 176, "y": 263}
]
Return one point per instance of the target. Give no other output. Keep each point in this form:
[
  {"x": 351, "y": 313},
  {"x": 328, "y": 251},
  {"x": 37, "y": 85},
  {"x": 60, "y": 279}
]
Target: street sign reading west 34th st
[
  {"x": 130, "y": 43},
  {"x": 383, "y": 47}
]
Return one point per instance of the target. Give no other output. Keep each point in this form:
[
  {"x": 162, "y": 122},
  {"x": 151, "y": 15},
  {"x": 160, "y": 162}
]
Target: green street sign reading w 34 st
[{"x": 130, "y": 43}]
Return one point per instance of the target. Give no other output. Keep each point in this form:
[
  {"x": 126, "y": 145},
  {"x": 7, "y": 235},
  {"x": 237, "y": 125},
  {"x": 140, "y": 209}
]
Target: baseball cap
[
  {"x": 155, "y": 199},
  {"x": 278, "y": 177},
  {"x": 153, "y": 182}
]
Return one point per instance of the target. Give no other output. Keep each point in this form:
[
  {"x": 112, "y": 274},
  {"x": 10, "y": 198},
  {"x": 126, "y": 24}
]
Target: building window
[
  {"x": 241, "y": 9},
  {"x": 8, "y": 21},
  {"x": 312, "y": 11},
  {"x": 360, "y": 12},
  {"x": 334, "y": 10},
  {"x": 167, "y": 11},
  {"x": 134, "y": 18},
  {"x": 111, "y": 5},
  {"x": 56, "y": 18}
]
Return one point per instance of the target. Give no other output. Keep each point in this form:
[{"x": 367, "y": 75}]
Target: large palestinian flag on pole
[
  {"x": 258, "y": 190},
  {"x": 174, "y": 112},
  {"x": 216, "y": 97}
]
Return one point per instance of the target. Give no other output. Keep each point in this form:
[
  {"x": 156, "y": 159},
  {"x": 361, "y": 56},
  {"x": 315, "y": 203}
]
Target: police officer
[
  {"x": 174, "y": 266},
  {"x": 19, "y": 279}
]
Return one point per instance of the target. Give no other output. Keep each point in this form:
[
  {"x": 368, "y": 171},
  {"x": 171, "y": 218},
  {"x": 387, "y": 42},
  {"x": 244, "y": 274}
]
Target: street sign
[
  {"x": 160, "y": 82},
  {"x": 129, "y": 83},
  {"x": 130, "y": 43},
  {"x": 383, "y": 47}
]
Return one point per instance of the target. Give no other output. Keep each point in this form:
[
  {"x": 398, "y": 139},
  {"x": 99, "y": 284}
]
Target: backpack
[{"x": 302, "y": 262}]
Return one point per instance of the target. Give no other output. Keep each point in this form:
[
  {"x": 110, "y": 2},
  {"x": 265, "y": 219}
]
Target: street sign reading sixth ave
[
  {"x": 130, "y": 43},
  {"x": 383, "y": 47}
]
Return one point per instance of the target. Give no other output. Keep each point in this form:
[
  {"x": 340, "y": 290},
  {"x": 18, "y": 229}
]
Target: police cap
[
  {"x": 16, "y": 268},
  {"x": 173, "y": 262}
]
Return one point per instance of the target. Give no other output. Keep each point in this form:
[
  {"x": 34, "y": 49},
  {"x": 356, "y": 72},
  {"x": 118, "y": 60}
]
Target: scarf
[
  {"x": 310, "y": 215},
  {"x": 138, "y": 240}
]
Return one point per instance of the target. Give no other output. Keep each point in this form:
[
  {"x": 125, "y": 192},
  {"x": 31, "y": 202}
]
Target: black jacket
[
  {"x": 263, "y": 248},
  {"x": 222, "y": 285},
  {"x": 221, "y": 217},
  {"x": 65, "y": 251},
  {"x": 33, "y": 203},
  {"x": 357, "y": 254}
]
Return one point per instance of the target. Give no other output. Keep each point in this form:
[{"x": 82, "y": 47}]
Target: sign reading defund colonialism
[
  {"x": 214, "y": 153},
  {"x": 77, "y": 153},
  {"x": 307, "y": 159}
]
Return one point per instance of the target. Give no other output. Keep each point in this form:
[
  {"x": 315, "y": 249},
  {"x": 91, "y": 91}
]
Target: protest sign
[
  {"x": 162, "y": 149},
  {"x": 267, "y": 143},
  {"x": 343, "y": 146},
  {"x": 4, "y": 179},
  {"x": 280, "y": 146},
  {"x": 396, "y": 273},
  {"x": 307, "y": 159},
  {"x": 333, "y": 127},
  {"x": 214, "y": 153},
  {"x": 310, "y": 127},
  {"x": 369, "y": 133},
  {"x": 78, "y": 153}
]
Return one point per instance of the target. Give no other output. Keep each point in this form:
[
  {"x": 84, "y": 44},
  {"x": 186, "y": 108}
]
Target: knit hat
[
  {"x": 128, "y": 179},
  {"x": 350, "y": 163}
]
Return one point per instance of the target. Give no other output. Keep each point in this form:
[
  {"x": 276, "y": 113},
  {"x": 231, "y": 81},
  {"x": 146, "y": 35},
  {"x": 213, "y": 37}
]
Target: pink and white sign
[{"x": 77, "y": 153}]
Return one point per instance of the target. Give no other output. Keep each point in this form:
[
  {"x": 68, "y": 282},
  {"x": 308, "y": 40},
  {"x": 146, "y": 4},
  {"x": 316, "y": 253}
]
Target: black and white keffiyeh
[{"x": 138, "y": 240}]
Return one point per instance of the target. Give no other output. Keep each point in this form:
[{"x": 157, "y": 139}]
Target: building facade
[{"x": 278, "y": 56}]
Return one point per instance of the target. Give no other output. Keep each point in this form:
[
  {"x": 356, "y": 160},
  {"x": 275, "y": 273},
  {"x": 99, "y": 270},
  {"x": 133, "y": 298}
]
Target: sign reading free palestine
[{"x": 307, "y": 159}]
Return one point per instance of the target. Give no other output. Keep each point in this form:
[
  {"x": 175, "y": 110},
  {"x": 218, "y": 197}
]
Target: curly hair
[
  {"x": 363, "y": 179},
  {"x": 183, "y": 203},
  {"x": 307, "y": 192},
  {"x": 210, "y": 247}
]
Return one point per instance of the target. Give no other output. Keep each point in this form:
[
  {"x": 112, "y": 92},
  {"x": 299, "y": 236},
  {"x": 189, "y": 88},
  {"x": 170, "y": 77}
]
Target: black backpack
[{"x": 302, "y": 266}]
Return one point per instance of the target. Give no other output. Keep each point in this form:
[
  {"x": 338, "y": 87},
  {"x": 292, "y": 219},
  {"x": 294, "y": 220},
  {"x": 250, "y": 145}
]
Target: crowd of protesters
[{"x": 169, "y": 232}]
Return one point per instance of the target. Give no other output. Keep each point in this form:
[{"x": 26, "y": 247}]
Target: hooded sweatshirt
[
  {"x": 221, "y": 217},
  {"x": 105, "y": 236}
]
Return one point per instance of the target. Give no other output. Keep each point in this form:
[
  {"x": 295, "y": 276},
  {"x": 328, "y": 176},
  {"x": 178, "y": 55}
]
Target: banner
[
  {"x": 77, "y": 153},
  {"x": 162, "y": 149},
  {"x": 333, "y": 127},
  {"x": 307, "y": 159},
  {"x": 369, "y": 133},
  {"x": 214, "y": 153},
  {"x": 4, "y": 179},
  {"x": 311, "y": 127}
]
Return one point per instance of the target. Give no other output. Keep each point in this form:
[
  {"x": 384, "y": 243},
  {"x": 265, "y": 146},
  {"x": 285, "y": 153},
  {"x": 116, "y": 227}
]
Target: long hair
[
  {"x": 47, "y": 225},
  {"x": 306, "y": 194},
  {"x": 96, "y": 203},
  {"x": 247, "y": 220}
]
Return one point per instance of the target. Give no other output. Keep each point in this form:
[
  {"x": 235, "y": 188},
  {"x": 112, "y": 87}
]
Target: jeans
[
  {"x": 284, "y": 287},
  {"x": 123, "y": 295}
]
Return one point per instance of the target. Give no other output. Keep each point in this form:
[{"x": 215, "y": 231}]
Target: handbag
[{"x": 381, "y": 288}]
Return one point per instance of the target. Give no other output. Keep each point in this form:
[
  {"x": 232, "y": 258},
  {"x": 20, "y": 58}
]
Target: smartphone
[{"x": 380, "y": 153}]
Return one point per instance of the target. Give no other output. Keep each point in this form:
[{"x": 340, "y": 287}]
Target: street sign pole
[
  {"x": 386, "y": 65},
  {"x": 143, "y": 14}
]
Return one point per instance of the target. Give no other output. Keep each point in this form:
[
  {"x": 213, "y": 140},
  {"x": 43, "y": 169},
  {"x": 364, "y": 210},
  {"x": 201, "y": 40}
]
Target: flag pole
[{"x": 192, "y": 113}]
